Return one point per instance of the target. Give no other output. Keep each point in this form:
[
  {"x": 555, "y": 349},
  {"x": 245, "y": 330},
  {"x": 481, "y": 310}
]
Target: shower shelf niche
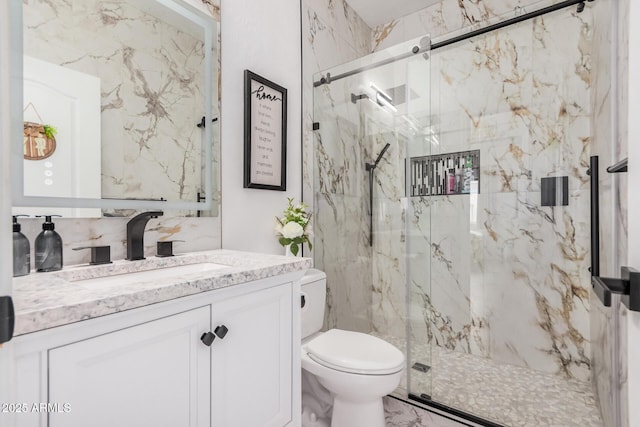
[{"x": 445, "y": 174}]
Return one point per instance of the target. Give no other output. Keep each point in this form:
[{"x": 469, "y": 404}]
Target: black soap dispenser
[
  {"x": 48, "y": 247},
  {"x": 21, "y": 250}
]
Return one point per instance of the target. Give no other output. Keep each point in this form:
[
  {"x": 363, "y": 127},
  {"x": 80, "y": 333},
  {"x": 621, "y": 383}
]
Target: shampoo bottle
[
  {"x": 48, "y": 247},
  {"x": 468, "y": 176},
  {"x": 451, "y": 181},
  {"x": 21, "y": 251}
]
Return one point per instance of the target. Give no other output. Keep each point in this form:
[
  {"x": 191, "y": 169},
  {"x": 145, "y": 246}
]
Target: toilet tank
[{"x": 314, "y": 296}]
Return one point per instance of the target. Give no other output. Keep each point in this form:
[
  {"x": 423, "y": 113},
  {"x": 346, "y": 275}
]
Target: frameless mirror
[{"x": 120, "y": 108}]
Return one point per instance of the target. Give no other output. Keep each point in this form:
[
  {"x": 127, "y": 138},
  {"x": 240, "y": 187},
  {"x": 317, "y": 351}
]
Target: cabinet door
[
  {"x": 153, "y": 374},
  {"x": 251, "y": 366}
]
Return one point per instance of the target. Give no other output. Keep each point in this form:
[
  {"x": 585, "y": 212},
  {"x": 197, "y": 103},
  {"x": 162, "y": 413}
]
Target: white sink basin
[{"x": 151, "y": 275}]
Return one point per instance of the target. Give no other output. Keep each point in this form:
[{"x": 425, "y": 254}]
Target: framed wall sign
[{"x": 265, "y": 133}]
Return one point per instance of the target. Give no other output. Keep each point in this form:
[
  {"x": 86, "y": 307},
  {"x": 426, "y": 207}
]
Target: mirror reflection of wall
[{"x": 149, "y": 62}]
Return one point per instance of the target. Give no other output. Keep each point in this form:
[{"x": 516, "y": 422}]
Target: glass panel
[
  {"x": 506, "y": 315},
  {"x": 423, "y": 177},
  {"x": 369, "y": 118}
]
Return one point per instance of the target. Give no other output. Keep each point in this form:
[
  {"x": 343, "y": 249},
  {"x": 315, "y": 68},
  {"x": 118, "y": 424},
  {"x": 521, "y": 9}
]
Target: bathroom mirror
[{"x": 120, "y": 107}]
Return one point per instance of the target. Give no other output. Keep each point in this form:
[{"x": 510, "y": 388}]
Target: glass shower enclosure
[{"x": 451, "y": 208}]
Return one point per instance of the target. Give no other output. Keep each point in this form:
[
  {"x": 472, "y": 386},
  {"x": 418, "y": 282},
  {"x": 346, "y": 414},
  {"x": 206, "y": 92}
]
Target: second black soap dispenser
[{"x": 48, "y": 247}]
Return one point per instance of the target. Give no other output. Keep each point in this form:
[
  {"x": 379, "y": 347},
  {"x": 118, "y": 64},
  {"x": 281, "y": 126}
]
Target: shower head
[
  {"x": 386, "y": 147},
  {"x": 355, "y": 98}
]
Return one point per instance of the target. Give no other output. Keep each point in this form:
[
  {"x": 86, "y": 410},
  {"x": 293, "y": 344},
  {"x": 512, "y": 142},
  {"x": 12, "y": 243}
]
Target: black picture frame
[{"x": 265, "y": 133}]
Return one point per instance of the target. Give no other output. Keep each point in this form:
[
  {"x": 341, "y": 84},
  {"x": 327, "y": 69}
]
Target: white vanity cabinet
[
  {"x": 153, "y": 374},
  {"x": 251, "y": 367},
  {"x": 150, "y": 366}
]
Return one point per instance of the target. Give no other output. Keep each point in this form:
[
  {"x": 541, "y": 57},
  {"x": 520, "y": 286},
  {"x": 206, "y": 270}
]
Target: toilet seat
[{"x": 355, "y": 352}]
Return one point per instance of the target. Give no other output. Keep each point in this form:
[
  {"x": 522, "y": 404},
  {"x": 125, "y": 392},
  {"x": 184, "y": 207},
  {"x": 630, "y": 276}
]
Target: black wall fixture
[
  {"x": 621, "y": 166},
  {"x": 628, "y": 285},
  {"x": 202, "y": 123},
  {"x": 7, "y": 319},
  {"x": 554, "y": 191},
  {"x": 595, "y": 216}
]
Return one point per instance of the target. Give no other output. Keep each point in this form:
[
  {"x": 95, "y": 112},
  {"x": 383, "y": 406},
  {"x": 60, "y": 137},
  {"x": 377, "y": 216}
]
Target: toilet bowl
[{"x": 357, "y": 369}]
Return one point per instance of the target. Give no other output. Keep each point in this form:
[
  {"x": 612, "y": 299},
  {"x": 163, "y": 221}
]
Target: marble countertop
[{"x": 46, "y": 300}]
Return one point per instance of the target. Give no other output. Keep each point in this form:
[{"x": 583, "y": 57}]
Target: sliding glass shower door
[{"x": 503, "y": 228}]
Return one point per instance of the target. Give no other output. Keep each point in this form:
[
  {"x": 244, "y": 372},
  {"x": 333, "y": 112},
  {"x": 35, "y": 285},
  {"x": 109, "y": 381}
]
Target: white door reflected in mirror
[{"x": 68, "y": 101}]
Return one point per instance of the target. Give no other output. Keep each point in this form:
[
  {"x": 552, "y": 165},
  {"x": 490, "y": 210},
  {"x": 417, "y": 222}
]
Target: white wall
[
  {"x": 264, "y": 37},
  {"x": 633, "y": 326},
  {"x": 6, "y": 265}
]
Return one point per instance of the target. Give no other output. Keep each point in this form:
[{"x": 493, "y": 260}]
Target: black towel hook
[{"x": 202, "y": 122}]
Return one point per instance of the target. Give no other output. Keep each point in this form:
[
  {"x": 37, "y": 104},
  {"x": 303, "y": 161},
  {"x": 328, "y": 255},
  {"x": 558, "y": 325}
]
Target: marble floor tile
[
  {"x": 505, "y": 394},
  {"x": 401, "y": 414}
]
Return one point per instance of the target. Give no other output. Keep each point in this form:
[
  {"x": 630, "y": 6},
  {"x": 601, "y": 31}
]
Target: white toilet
[{"x": 357, "y": 369}]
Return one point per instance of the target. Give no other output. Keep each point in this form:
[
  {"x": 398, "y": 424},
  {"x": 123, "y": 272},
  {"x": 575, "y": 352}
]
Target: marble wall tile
[
  {"x": 549, "y": 297},
  {"x": 387, "y": 251},
  {"x": 344, "y": 21},
  {"x": 199, "y": 234},
  {"x": 342, "y": 251},
  {"x": 449, "y": 17},
  {"x": 621, "y": 146},
  {"x": 333, "y": 163},
  {"x": 622, "y": 376},
  {"x": 603, "y": 331},
  {"x": 341, "y": 245},
  {"x": 332, "y": 34}
]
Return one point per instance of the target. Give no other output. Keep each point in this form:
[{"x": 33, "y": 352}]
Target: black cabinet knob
[
  {"x": 221, "y": 331},
  {"x": 207, "y": 338},
  {"x": 303, "y": 301}
]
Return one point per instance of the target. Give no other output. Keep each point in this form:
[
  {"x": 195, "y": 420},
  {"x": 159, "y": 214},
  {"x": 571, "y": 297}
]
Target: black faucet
[{"x": 135, "y": 234}]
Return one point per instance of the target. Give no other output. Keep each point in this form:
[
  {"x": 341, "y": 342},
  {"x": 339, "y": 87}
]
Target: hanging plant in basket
[{"x": 39, "y": 139}]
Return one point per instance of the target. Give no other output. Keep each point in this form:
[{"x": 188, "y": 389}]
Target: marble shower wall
[
  {"x": 333, "y": 163},
  {"x": 198, "y": 233},
  {"x": 609, "y": 347},
  {"x": 149, "y": 94}
]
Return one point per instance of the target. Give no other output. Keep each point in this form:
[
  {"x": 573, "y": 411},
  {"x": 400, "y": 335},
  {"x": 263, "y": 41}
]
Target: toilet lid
[{"x": 355, "y": 352}]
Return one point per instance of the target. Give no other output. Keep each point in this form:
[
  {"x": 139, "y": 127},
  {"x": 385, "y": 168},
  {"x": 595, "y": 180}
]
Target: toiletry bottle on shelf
[
  {"x": 468, "y": 176},
  {"x": 48, "y": 247},
  {"x": 458, "y": 187},
  {"x": 451, "y": 181},
  {"x": 21, "y": 250}
]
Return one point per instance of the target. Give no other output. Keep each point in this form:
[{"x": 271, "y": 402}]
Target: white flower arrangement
[{"x": 294, "y": 228}]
